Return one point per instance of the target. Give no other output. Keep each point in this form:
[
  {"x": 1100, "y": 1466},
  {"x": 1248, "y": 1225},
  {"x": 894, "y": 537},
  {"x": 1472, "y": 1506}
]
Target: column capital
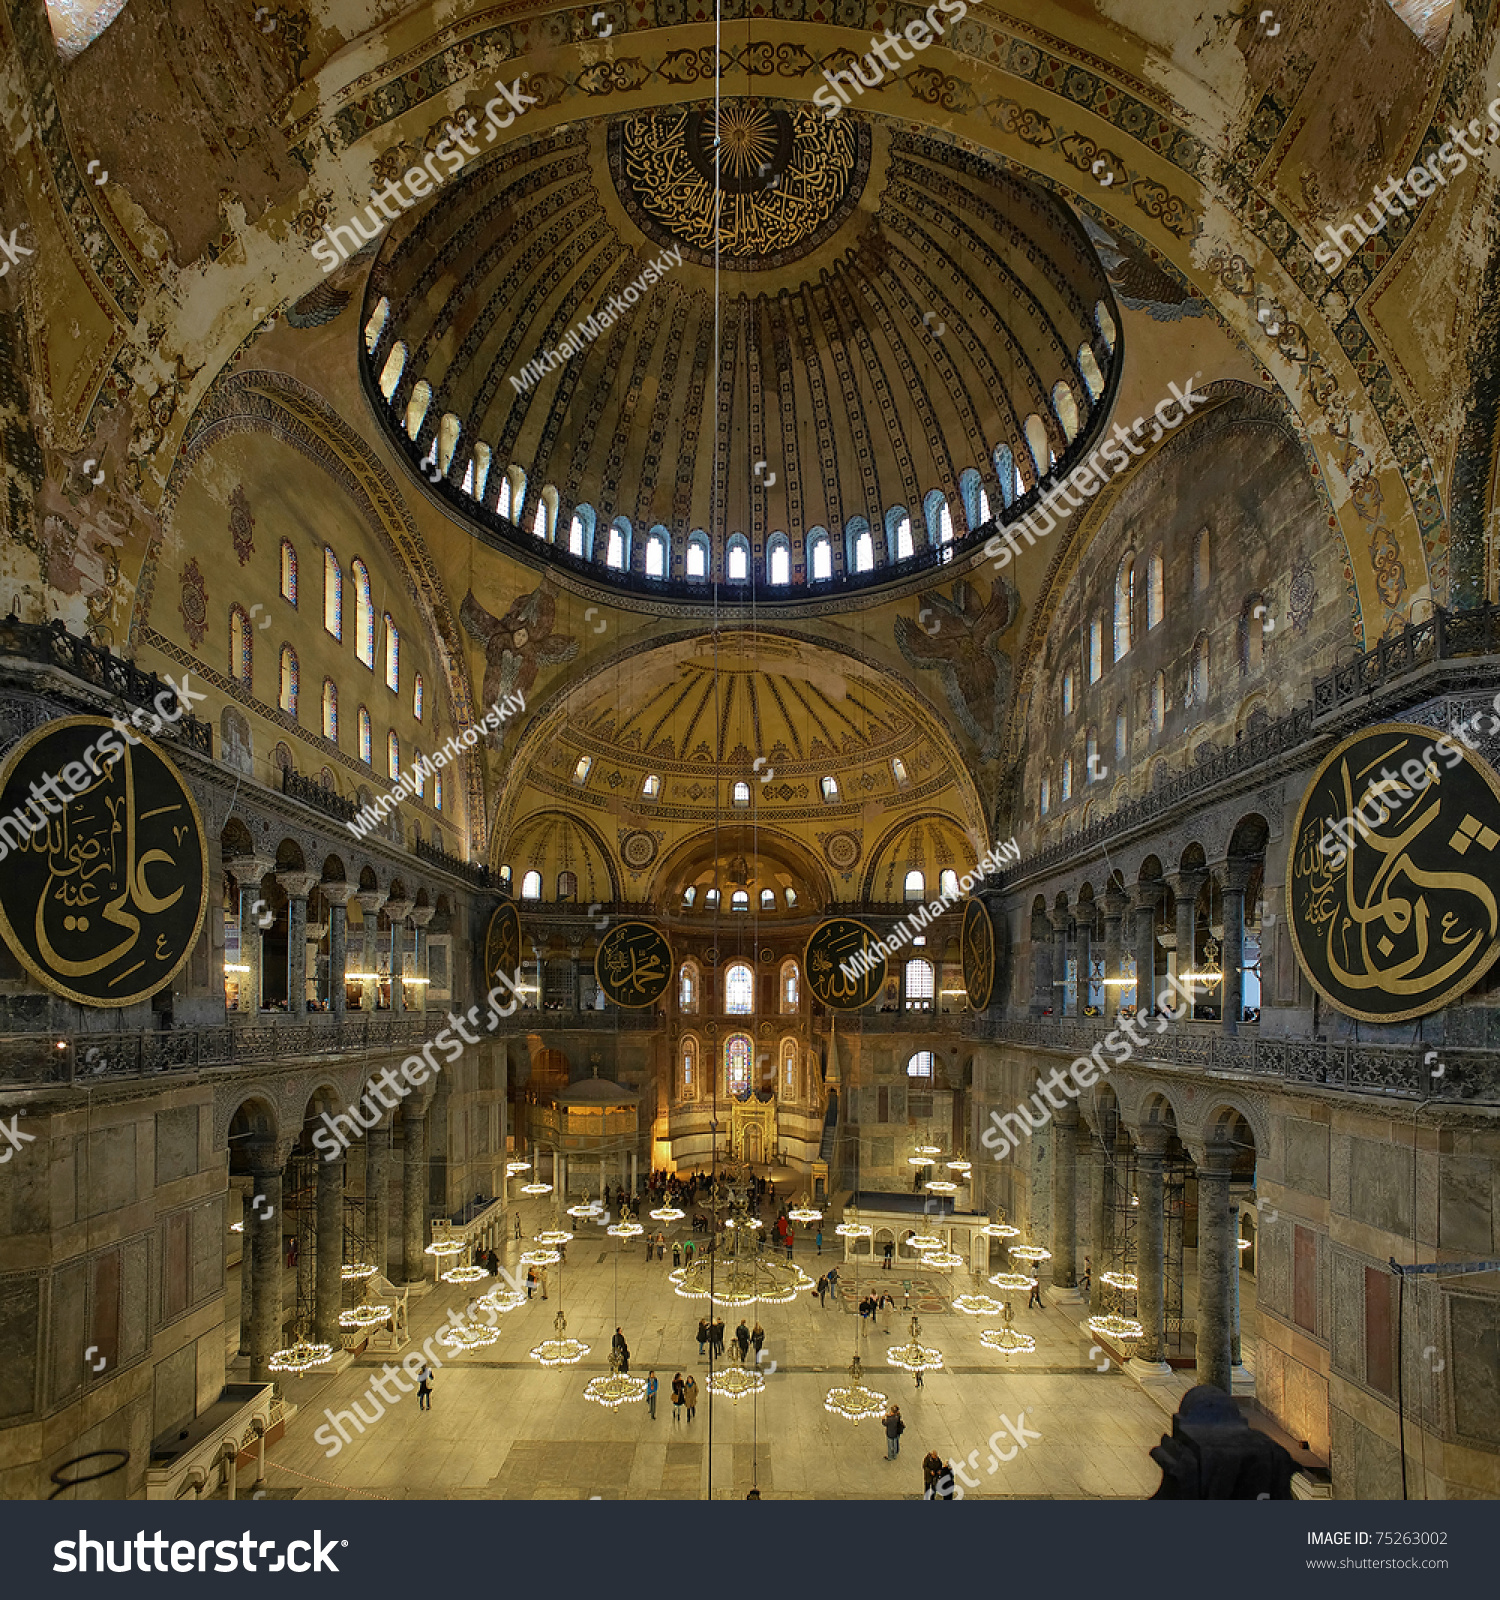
[
  {"x": 1213, "y": 1159},
  {"x": 298, "y": 885},
  {"x": 1146, "y": 897},
  {"x": 1151, "y": 1139},
  {"x": 1187, "y": 881},
  {"x": 250, "y": 869},
  {"x": 1235, "y": 873},
  {"x": 397, "y": 911},
  {"x": 1041, "y": 925},
  {"x": 370, "y": 900},
  {"x": 1114, "y": 901},
  {"x": 336, "y": 894},
  {"x": 422, "y": 915}
]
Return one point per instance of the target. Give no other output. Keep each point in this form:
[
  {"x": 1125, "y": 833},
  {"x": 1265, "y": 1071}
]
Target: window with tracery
[
  {"x": 366, "y": 738},
  {"x": 333, "y": 594},
  {"x": 364, "y": 615},
  {"x": 920, "y": 988},
  {"x": 241, "y": 646},
  {"x": 330, "y": 710},
  {"x": 287, "y": 687},
  {"x": 737, "y": 1063},
  {"x": 739, "y": 991},
  {"x": 288, "y": 571}
]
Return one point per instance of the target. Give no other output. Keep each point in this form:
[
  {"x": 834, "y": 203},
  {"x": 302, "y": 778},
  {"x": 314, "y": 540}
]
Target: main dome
[{"x": 907, "y": 339}]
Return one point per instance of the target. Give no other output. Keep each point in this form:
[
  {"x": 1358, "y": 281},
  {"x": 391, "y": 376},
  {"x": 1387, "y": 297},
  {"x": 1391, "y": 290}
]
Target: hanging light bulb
[
  {"x": 300, "y": 1357},
  {"x": 854, "y": 1401},
  {"x": 561, "y": 1351},
  {"x": 618, "y": 1389},
  {"x": 915, "y": 1356}
]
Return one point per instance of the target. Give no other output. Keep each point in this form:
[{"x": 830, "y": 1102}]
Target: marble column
[
  {"x": 1186, "y": 885},
  {"x": 248, "y": 871},
  {"x": 413, "y": 1193},
  {"x": 1043, "y": 994},
  {"x": 420, "y": 917},
  {"x": 1232, "y": 956},
  {"x": 397, "y": 912},
  {"x": 1099, "y": 1231},
  {"x": 297, "y": 885},
  {"x": 1083, "y": 954},
  {"x": 370, "y": 902},
  {"x": 1150, "y": 1267},
  {"x": 1114, "y": 949},
  {"x": 1060, "y": 967},
  {"x": 1065, "y": 1198},
  {"x": 329, "y": 1287},
  {"x": 263, "y": 1225},
  {"x": 1218, "y": 1266},
  {"x": 307, "y": 1230},
  {"x": 337, "y": 896},
  {"x": 1147, "y": 897},
  {"x": 377, "y": 1194}
]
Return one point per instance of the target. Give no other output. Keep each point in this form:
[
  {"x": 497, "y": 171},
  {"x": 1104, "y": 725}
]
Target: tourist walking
[
  {"x": 932, "y": 1464},
  {"x": 677, "y": 1402},
  {"x": 424, "y": 1388},
  {"x": 942, "y": 1487},
  {"x": 757, "y": 1338},
  {"x": 1088, "y": 1274},
  {"x": 618, "y": 1343},
  {"x": 702, "y": 1335},
  {"x": 820, "y": 1241},
  {"x": 894, "y": 1428},
  {"x": 676, "y": 1254},
  {"x": 1035, "y": 1297},
  {"x": 651, "y": 1392},
  {"x": 742, "y": 1340},
  {"x": 716, "y": 1337},
  {"x": 518, "y": 1227},
  {"x": 890, "y": 1252},
  {"x": 823, "y": 1291},
  {"x": 690, "y": 1395},
  {"x": 530, "y": 1282}
]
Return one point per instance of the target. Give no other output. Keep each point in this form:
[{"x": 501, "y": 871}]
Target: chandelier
[
  {"x": 561, "y": 1351},
  {"x": 668, "y": 1213},
  {"x": 804, "y": 1212},
  {"x": 464, "y": 1275},
  {"x": 743, "y": 1222},
  {"x": 1029, "y": 1252},
  {"x": 513, "y": 1167},
  {"x": 1113, "y": 1326},
  {"x": 927, "y": 1241},
  {"x": 853, "y": 1400},
  {"x": 978, "y": 1305},
  {"x": 300, "y": 1357},
  {"x": 1013, "y": 1280},
  {"x": 1006, "y": 1340},
  {"x": 998, "y": 1228},
  {"x": 536, "y": 1188},
  {"x": 553, "y": 1236},
  {"x": 586, "y": 1209},
  {"x": 1113, "y": 1323},
  {"x": 745, "y": 1276},
  {"x": 463, "y": 1336},
  {"x": 851, "y": 1227},
  {"x": 941, "y": 1186},
  {"x": 942, "y": 1260},
  {"x": 445, "y": 1247},
  {"x": 545, "y": 1257},
  {"x": 624, "y": 1230},
  {"x": 915, "y": 1356},
  {"x": 1124, "y": 1281},
  {"x": 365, "y": 1315},
  {"x": 958, "y": 1164},
  {"x": 502, "y": 1300},
  {"x": 352, "y": 1270},
  {"x": 618, "y": 1389},
  {"x": 736, "y": 1382},
  {"x": 929, "y": 1149}
]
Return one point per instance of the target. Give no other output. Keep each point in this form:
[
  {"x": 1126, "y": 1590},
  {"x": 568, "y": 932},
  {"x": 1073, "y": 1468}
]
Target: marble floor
[{"x": 502, "y": 1427}]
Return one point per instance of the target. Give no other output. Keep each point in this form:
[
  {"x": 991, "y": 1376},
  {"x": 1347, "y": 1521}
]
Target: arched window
[
  {"x": 919, "y": 984},
  {"x": 1067, "y": 692},
  {"x": 778, "y": 559},
  {"x": 651, "y": 788},
  {"x": 1007, "y": 474},
  {"x": 737, "y": 559},
  {"x": 916, "y": 885},
  {"x": 1096, "y": 649},
  {"x": 364, "y": 615},
  {"x": 689, "y": 1085},
  {"x": 416, "y": 412},
  {"x": 740, "y": 794},
  {"x": 1200, "y": 562},
  {"x": 820, "y": 556},
  {"x": 478, "y": 474},
  {"x": 690, "y": 894},
  {"x": 505, "y": 878},
  {"x": 288, "y": 571},
  {"x": 531, "y": 886},
  {"x": 1044, "y": 799},
  {"x": 241, "y": 647},
  {"x": 937, "y": 516},
  {"x": 366, "y": 739},
  {"x": 711, "y": 900},
  {"x": 616, "y": 554},
  {"x": 740, "y": 900},
  {"x": 789, "y": 1068},
  {"x": 687, "y": 987},
  {"x": 1200, "y": 670},
  {"x": 287, "y": 684},
  {"x": 581, "y": 532},
  {"x": 390, "y": 373},
  {"x": 437, "y": 791},
  {"x": 1155, "y": 597},
  {"x": 1105, "y": 324},
  {"x": 1158, "y": 702},
  {"x": 449, "y": 429},
  {"x": 392, "y": 755},
  {"x": 1065, "y": 408},
  {"x": 920, "y": 1065},
  {"x": 1091, "y": 756},
  {"x": 790, "y": 980},
  {"x": 830, "y": 790},
  {"x": 1088, "y": 368},
  {"x": 330, "y": 710},
  {"x": 790, "y": 895},
  {"x": 416, "y": 695},
  {"x": 739, "y": 991},
  {"x": 1039, "y": 445},
  {"x": 581, "y": 770},
  {"x": 861, "y": 545},
  {"x": 1067, "y": 778},
  {"x": 1254, "y": 633},
  {"x": 899, "y": 772},
  {"x": 1122, "y": 733},
  {"x": 392, "y": 654},
  {"x": 544, "y": 518},
  {"x": 420, "y": 771},
  {"x": 656, "y": 553},
  {"x": 1124, "y": 605},
  {"x": 975, "y": 502},
  {"x": 737, "y": 1064},
  {"x": 948, "y": 884},
  {"x": 898, "y": 534},
  {"x": 767, "y": 899},
  {"x": 333, "y": 594},
  {"x": 567, "y": 885},
  {"x": 697, "y": 556}
]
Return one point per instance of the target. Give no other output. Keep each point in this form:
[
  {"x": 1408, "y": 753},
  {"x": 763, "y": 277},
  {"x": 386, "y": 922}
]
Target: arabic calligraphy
[
  {"x": 105, "y": 902},
  {"x": 1403, "y": 920},
  {"x": 977, "y": 952},
  {"x": 634, "y": 965},
  {"x": 786, "y": 175},
  {"x": 502, "y": 944},
  {"x": 832, "y": 973}
]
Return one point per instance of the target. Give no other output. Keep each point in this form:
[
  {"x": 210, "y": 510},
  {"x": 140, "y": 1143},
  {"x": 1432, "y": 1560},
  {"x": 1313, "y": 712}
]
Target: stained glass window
[
  {"x": 393, "y": 755},
  {"x": 241, "y": 646},
  {"x": 737, "y": 1063},
  {"x": 689, "y": 1064},
  {"x": 739, "y": 991},
  {"x": 364, "y": 616},
  {"x": 437, "y": 791},
  {"x": 392, "y": 654},
  {"x": 330, "y": 710},
  {"x": 416, "y": 696},
  {"x": 288, "y": 571},
  {"x": 366, "y": 739},
  {"x": 333, "y": 594},
  {"x": 288, "y": 685}
]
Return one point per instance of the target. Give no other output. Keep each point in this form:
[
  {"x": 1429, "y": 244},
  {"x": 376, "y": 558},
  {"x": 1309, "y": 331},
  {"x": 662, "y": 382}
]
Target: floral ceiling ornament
[
  {"x": 193, "y": 605},
  {"x": 241, "y": 523}
]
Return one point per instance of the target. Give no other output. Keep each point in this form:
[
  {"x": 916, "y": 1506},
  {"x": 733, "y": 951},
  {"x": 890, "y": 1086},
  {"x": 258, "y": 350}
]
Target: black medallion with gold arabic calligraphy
[
  {"x": 634, "y": 964},
  {"x": 977, "y": 951},
  {"x": 1391, "y": 893},
  {"x": 829, "y": 959},
  {"x": 502, "y": 944},
  {"x": 104, "y": 901}
]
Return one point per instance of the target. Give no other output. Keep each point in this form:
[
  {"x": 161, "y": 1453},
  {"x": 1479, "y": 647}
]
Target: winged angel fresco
[
  {"x": 959, "y": 637},
  {"x": 516, "y": 646}
]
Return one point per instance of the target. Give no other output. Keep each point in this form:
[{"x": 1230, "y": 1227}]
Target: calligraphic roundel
[
  {"x": 634, "y": 965},
  {"x": 103, "y": 895},
  {"x": 829, "y": 961},
  {"x": 1391, "y": 892},
  {"x": 502, "y": 944},
  {"x": 977, "y": 952}
]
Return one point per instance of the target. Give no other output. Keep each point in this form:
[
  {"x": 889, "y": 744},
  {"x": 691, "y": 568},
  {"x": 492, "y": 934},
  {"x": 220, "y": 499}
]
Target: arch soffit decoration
[
  {"x": 1244, "y": 269},
  {"x": 513, "y": 834},
  {"x": 880, "y": 850},
  {"x": 771, "y": 840}
]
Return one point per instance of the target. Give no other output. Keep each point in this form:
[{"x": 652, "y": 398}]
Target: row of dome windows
[
  {"x": 914, "y": 889},
  {"x": 862, "y": 550},
  {"x": 738, "y": 1055},
  {"x": 740, "y": 792}
]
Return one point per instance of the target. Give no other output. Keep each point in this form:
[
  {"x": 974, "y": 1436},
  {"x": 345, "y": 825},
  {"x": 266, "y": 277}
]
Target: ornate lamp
[
  {"x": 998, "y": 1228},
  {"x": 536, "y": 1188},
  {"x": 541, "y": 1257},
  {"x": 736, "y": 1382},
  {"x": 1013, "y": 1280},
  {"x": 353, "y": 1271},
  {"x": 803, "y": 1211},
  {"x": 853, "y": 1400},
  {"x": 561, "y": 1351},
  {"x": 1006, "y": 1340},
  {"x": 915, "y": 1356},
  {"x": 463, "y": 1336},
  {"x": 464, "y": 1275},
  {"x": 1032, "y": 1253},
  {"x": 618, "y": 1389},
  {"x": 300, "y": 1357},
  {"x": 365, "y": 1315}
]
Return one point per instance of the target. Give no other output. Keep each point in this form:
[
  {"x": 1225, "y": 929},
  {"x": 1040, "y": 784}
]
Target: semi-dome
[{"x": 907, "y": 339}]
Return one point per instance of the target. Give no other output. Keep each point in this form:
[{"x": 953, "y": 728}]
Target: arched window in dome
[
  {"x": 581, "y": 770},
  {"x": 737, "y": 1053},
  {"x": 689, "y": 895},
  {"x": 581, "y": 532},
  {"x": 1106, "y": 325},
  {"x": 366, "y": 738},
  {"x": 920, "y": 1065},
  {"x": 790, "y": 896},
  {"x": 287, "y": 683},
  {"x": 333, "y": 594},
  {"x": 651, "y": 786},
  {"x": 859, "y": 546},
  {"x": 938, "y": 517},
  {"x": 390, "y": 373},
  {"x": 416, "y": 695},
  {"x": 617, "y": 548},
  {"x": 790, "y": 986},
  {"x": 820, "y": 556},
  {"x": 699, "y": 556},
  {"x": 449, "y": 430},
  {"x": 1124, "y": 604},
  {"x": 920, "y": 987},
  {"x": 1155, "y": 598},
  {"x": 241, "y": 646},
  {"x": 740, "y": 794},
  {"x": 778, "y": 560},
  {"x": 900, "y": 546},
  {"x": 288, "y": 571},
  {"x": 948, "y": 884},
  {"x": 416, "y": 413},
  {"x": 392, "y": 654},
  {"x": 1039, "y": 445},
  {"x": 915, "y": 887},
  {"x": 1088, "y": 369},
  {"x": 737, "y": 559},
  {"x": 657, "y": 549},
  {"x": 740, "y": 900},
  {"x": 376, "y": 325},
  {"x": 767, "y": 899},
  {"x": 364, "y": 615},
  {"x": 567, "y": 886},
  {"x": 976, "y": 502},
  {"x": 687, "y": 986},
  {"x": 828, "y": 786},
  {"x": 544, "y": 518},
  {"x": 899, "y": 772},
  {"x": 739, "y": 990},
  {"x": 330, "y": 710},
  {"x": 688, "y": 1087},
  {"x": 1065, "y": 408},
  {"x": 1044, "y": 798},
  {"x": 1008, "y": 474},
  {"x": 531, "y": 886},
  {"x": 479, "y": 471}
]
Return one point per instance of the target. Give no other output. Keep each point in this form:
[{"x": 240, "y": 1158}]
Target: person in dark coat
[
  {"x": 932, "y": 1464},
  {"x": 894, "y": 1428},
  {"x": 742, "y": 1340},
  {"x": 703, "y": 1335}
]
